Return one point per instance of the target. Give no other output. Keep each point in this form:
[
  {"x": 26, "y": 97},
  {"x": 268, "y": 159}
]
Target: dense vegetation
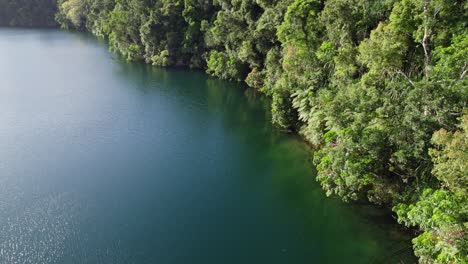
[
  {"x": 28, "y": 13},
  {"x": 378, "y": 87}
]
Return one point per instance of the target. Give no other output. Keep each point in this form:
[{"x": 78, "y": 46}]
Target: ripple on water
[
  {"x": 48, "y": 228},
  {"x": 37, "y": 233}
]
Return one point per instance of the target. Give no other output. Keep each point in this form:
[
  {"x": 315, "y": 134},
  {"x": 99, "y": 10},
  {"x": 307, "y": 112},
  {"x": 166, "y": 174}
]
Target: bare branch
[
  {"x": 463, "y": 74},
  {"x": 406, "y": 76},
  {"x": 464, "y": 70}
]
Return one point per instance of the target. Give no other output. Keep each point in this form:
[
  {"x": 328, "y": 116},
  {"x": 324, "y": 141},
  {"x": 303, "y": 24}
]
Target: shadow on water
[{"x": 245, "y": 114}]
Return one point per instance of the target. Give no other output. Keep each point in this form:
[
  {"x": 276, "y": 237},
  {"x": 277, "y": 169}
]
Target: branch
[
  {"x": 406, "y": 76},
  {"x": 463, "y": 74},
  {"x": 464, "y": 70}
]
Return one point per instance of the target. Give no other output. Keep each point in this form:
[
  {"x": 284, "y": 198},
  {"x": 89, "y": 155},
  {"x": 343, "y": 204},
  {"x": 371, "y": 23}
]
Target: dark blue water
[{"x": 103, "y": 161}]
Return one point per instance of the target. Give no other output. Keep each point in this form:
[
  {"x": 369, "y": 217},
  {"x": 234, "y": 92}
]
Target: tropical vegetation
[
  {"x": 28, "y": 13},
  {"x": 379, "y": 88}
]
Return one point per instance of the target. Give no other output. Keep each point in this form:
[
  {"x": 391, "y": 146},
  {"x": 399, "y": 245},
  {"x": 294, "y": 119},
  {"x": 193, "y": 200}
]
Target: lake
[{"x": 105, "y": 161}]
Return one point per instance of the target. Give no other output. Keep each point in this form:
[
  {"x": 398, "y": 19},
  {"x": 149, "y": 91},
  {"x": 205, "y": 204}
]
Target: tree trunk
[{"x": 425, "y": 40}]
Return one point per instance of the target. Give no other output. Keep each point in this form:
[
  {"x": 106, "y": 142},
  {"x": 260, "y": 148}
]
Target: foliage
[
  {"x": 443, "y": 217},
  {"x": 28, "y": 13},
  {"x": 450, "y": 157},
  {"x": 225, "y": 66}
]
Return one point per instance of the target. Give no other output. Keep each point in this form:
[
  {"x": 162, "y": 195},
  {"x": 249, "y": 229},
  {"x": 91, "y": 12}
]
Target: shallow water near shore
[{"x": 104, "y": 161}]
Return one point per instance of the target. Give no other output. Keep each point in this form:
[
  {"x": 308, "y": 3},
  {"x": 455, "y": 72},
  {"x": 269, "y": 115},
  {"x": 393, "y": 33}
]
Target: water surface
[{"x": 103, "y": 161}]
